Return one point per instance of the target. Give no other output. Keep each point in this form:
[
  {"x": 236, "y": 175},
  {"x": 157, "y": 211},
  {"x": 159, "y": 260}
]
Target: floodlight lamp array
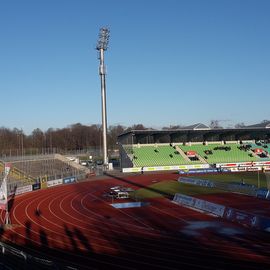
[{"x": 103, "y": 39}]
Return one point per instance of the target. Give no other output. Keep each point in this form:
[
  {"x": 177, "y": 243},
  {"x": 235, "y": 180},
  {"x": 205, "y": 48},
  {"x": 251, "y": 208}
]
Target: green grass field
[
  {"x": 252, "y": 178},
  {"x": 169, "y": 188}
]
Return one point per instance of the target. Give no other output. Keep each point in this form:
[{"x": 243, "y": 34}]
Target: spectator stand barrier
[
  {"x": 43, "y": 184},
  {"x": 234, "y": 215},
  {"x": 196, "y": 181},
  {"x": 69, "y": 180},
  {"x": 165, "y": 168},
  {"x": 205, "y": 171},
  {"x": 202, "y": 205},
  {"x": 247, "y": 219},
  {"x": 263, "y": 193},
  {"x": 13, "y": 259},
  {"x": 245, "y": 166}
]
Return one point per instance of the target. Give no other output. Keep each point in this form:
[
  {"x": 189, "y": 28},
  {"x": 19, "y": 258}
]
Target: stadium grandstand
[
  {"x": 30, "y": 170},
  {"x": 196, "y": 146}
]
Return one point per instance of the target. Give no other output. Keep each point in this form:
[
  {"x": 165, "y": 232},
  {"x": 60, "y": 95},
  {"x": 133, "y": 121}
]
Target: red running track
[{"x": 76, "y": 225}]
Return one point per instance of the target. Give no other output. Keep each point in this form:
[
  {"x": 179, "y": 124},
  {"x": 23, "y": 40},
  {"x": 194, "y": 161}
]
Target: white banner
[
  {"x": 24, "y": 189},
  {"x": 203, "y": 205},
  {"x": 196, "y": 181},
  {"x": 184, "y": 199},
  {"x": 56, "y": 182},
  {"x": 210, "y": 207},
  {"x": 166, "y": 168}
]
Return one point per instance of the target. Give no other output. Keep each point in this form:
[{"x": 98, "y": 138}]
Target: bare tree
[
  {"x": 240, "y": 125},
  {"x": 215, "y": 124},
  {"x": 113, "y": 133}
]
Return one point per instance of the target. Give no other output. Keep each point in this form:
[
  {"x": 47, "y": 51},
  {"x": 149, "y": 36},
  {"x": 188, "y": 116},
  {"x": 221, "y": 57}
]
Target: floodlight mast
[{"x": 102, "y": 46}]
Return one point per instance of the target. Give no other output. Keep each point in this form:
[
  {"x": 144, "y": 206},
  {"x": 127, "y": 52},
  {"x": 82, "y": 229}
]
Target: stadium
[
  {"x": 180, "y": 199},
  {"x": 194, "y": 197}
]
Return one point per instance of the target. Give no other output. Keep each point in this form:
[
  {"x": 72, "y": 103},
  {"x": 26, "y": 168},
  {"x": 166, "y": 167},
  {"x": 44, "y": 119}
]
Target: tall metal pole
[
  {"x": 102, "y": 46},
  {"x": 22, "y": 142},
  {"x": 102, "y": 74}
]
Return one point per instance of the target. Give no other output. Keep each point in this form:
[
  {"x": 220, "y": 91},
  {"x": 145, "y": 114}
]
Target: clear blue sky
[{"x": 169, "y": 62}]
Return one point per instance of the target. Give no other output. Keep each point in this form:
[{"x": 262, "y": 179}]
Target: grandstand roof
[
  {"x": 198, "y": 126},
  {"x": 197, "y": 132},
  {"x": 264, "y": 124}
]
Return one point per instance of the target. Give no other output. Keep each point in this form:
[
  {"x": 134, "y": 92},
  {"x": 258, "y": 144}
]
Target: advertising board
[
  {"x": 263, "y": 193},
  {"x": 204, "y": 171},
  {"x": 56, "y": 182},
  {"x": 184, "y": 199},
  {"x": 23, "y": 189},
  {"x": 166, "y": 168},
  {"x": 36, "y": 186},
  {"x": 210, "y": 207},
  {"x": 213, "y": 208},
  {"x": 69, "y": 180},
  {"x": 241, "y": 217},
  {"x": 196, "y": 181}
]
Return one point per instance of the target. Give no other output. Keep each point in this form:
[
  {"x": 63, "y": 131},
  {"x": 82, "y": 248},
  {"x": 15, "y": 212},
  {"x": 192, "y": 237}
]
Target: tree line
[{"x": 72, "y": 137}]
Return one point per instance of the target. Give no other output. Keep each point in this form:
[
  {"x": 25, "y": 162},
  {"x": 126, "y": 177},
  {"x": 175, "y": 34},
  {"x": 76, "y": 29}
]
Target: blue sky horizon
[{"x": 168, "y": 62}]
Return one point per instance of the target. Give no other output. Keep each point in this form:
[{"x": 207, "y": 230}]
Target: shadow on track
[
  {"x": 43, "y": 238},
  {"x": 168, "y": 195}
]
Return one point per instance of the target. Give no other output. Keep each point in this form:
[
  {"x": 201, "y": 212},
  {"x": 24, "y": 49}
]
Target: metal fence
[
  {"x": 17, "y": 154},
  {"x": 14, "y": 258}
]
